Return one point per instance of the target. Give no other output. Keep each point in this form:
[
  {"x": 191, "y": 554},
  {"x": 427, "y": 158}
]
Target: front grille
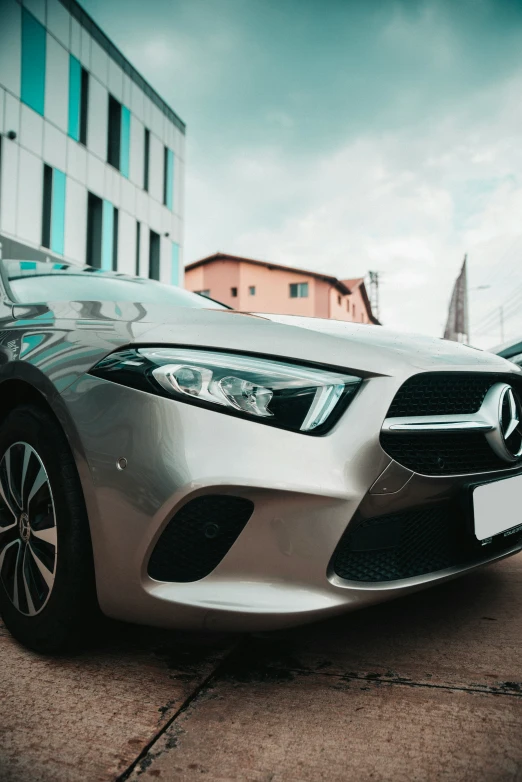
[
  {"x": 441, "y": 394},
  {"x": 197, "y": 538},
  {"x": 448, "y": 453},
  {"x": 451, "y": 453},
  {"x": 412, "y": 543}
]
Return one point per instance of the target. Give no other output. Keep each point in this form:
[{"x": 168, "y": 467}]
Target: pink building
[{"x": 260, "y": 286}]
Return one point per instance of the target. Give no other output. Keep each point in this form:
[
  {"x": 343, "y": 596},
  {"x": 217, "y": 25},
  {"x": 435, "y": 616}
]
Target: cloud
[
  {"x": 349, "y": 135},
  {"x": 406, "y": 202}
]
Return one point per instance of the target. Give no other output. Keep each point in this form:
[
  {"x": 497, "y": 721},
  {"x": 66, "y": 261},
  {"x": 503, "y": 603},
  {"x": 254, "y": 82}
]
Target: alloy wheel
[{"x": 28, "y": 535}]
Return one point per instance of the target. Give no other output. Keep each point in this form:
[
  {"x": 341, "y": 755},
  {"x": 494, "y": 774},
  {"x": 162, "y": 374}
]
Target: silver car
[{"x": 175, "y": 463}]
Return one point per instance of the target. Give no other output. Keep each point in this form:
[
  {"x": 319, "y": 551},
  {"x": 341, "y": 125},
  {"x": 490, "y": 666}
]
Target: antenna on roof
[{"x": 374, "y": 293}]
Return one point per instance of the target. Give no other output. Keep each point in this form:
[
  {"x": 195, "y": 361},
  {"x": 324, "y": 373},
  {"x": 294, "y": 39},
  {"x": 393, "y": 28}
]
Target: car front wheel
[{"x": 47, "y": 594}]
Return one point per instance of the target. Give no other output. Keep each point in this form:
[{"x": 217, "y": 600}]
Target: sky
[{"x": 349, "y": 135}]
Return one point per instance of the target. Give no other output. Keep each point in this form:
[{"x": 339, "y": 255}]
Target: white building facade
[{"x": 91, "y": 158}]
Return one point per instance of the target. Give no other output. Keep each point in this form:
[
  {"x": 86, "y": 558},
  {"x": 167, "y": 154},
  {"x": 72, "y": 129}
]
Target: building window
[
  {"x": 168, "y": 177},
  {"x": 84, "y": 107},
  {"x": 102, "y": 234},
  {"x": 252, "y": 290},
  {"x": 47, "y": 201},
  {"x": 353, "y": 310},
  {"x": 125, "y": 141},
  {"x": 339, "y": 300},
  {"x": 146, "y": 156},
  {"x": 154, "y": 256},
  {"x": 118, "y": 136},
  {"x": 53, "y": 215},
  {"x": 34, "y": 40},
  {"x": 94, "y": 230},
  {"x": 138, "y": 238},
  {"x": 298, "y": 290},
  {"x": 115, "y": 235},
  {"x": 348, "y": 305},
  {"x": 78, "y": 100},
  {"x": 109, "y": 246},
  {"x": 114, "y": 133},
  {"x": 174, "y": 264},
  {"x": 233, "y": 292},
  {"x": 75, "y": 86}
]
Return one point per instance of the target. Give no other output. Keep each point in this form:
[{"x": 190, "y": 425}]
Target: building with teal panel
[{"x": 91, "y": 157}]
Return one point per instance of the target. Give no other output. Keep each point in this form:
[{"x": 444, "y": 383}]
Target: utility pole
[{"x": 374, "y": 293}]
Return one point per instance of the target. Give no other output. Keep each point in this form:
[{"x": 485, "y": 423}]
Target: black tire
[{"x": 54, "y": 620}]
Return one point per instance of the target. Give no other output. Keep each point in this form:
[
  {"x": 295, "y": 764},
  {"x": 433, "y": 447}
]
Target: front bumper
[{"x": 305, "y": 490}]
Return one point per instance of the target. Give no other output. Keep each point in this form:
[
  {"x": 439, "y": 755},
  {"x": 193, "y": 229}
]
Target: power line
[
  {"x": 501, "y": 314},
  {"x": 493, "y": 312},
  {"x": 508, "y": 312},
  {"x": 492, "y": 270}
]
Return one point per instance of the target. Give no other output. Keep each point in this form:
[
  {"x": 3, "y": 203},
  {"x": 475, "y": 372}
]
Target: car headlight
[{"x": 273, "y": 392}]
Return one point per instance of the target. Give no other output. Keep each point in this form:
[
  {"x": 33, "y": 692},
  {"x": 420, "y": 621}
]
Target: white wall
[
  {"x": 112, "y": 187},
  {"x": 155, "y": 214},
  {"x": 128, "y": 196},
  {"x": 99, "y": 62},
  {"x": 165, "y": 260},
  {"x": 76, "y": 161},
  {"x": 59, "y": 21},
  {"x": 31, "y": 130},
  {"x": 142, "y": 206},
  {"x": 126, "y": 243},
  {"x": 55, "y": 147},
  {"x": 76, "y": 38},
  {"x": 179, "y": 185},
  {"x": 97, "y": 119},
  {"x": 75, "y": 221},
  {"x": 10, "y": 45},
  {"x": 115, "y": 82},
  {"x": 29, "y": 197},
  {"x": 144, "y": 250},
  {"x": 137, "y": 149},
  {"x": 156, "y": 168},
  {"x": 11, "y": 113},
  {"x": 95, "y": 175},
  {"x": 56, "y": 84},
  {"x": 9, "y": 186},
  {"x": 85, "y": 48}
]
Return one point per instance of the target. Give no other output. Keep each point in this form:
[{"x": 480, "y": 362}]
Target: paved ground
[{"x": 426, "y": 688}]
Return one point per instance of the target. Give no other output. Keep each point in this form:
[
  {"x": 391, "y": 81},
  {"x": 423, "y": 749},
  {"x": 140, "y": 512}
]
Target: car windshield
[{"x": 31, "y": 282}]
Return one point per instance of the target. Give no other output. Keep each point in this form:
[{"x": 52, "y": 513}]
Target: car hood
[{"x": 366, "y": 349}]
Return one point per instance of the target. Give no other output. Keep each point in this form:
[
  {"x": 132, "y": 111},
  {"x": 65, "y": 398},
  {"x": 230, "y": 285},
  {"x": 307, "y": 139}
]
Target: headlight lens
[{"x": 286, "y": 395}]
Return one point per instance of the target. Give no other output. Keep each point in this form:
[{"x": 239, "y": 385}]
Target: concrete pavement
[{"x": 425, "y": 688}]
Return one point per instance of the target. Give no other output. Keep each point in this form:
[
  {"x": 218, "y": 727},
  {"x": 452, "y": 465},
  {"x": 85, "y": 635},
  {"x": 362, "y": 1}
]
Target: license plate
[{"x": 498, "y": 507}]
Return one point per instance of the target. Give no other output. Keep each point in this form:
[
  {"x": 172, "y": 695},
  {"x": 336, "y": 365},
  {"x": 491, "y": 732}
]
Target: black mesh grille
[
  {"x": 450, "y": 453},
  {"x": 197, "y": 538},
  {"x": 441, "y": 394},
  {"x": 412, "y": 543},
  {"x": 443, "y": 454}
]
